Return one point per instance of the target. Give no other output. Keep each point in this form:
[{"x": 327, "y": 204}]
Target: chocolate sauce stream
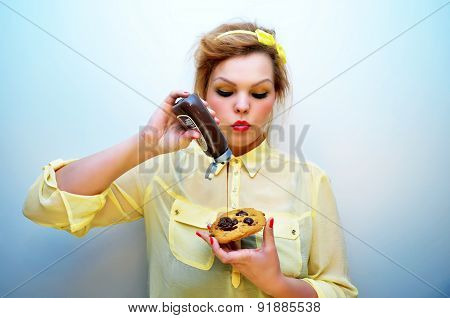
[{"x": 228, "y": 168}]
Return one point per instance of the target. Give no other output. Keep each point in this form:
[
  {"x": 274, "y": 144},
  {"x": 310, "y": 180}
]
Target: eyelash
[{"x": 227, "y": 94}]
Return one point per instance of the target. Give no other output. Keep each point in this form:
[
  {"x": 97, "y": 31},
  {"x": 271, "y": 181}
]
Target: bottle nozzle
[{"x": 224, "y": 158}]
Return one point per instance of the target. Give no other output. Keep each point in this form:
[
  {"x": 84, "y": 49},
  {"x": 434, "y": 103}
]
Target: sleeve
[
  {"x": 328, "y": 266},
  {"x": 47, "y": 205}
]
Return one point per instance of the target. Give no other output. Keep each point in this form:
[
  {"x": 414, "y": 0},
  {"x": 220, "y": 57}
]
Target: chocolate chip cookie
[{"x": 238, "y": 224}]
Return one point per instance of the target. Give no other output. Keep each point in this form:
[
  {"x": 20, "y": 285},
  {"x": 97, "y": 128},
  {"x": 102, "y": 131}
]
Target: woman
[{"x": 158, "y": 174}]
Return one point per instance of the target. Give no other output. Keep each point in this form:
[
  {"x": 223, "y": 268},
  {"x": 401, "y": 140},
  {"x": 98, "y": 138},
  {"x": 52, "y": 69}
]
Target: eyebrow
[{"x": 230, "y": 82}]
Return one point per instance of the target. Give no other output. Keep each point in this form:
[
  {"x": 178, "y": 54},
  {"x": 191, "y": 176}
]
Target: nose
[{"x": 242, "y": 105}]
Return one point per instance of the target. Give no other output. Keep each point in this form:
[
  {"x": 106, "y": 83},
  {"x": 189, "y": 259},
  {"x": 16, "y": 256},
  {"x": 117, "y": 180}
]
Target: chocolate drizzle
[{"x": 228, "y": 168}]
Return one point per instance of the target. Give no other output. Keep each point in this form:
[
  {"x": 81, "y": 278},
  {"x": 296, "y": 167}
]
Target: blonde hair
[{"x": 212, "y": 51}]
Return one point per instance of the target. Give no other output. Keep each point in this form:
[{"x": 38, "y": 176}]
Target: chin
[{"x": 241, "y": 139}]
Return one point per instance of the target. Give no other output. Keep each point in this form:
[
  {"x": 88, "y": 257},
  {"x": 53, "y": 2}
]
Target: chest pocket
[
  {"x": 185, "y": 219},
  {"x": 287, "y": 240}
]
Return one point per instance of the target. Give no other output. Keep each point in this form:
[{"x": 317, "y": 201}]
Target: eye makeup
[
  {"x": 224, "y": 93},
  {"x": 260, "y": 95}
]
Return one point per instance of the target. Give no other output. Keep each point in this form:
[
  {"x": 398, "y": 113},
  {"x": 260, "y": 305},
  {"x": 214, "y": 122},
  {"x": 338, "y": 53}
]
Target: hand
[
  {"x": 261, "y": 265},
  {"x": 164, "y": 133}
]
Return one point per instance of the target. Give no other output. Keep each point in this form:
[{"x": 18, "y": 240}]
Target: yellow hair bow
[{"x": 264, "y": 38}]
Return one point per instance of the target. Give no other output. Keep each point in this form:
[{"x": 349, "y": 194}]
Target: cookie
[{"x": 238, "y": 224}]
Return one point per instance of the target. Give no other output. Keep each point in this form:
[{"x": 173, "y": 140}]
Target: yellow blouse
[{"x": 172, "y": 194}]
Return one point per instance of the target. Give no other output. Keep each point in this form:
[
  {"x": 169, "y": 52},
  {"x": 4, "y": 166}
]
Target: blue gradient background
[{"x": 380, "y": 130}]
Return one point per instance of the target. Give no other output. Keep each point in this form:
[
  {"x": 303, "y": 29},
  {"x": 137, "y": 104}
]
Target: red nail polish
[
  {"x": 271, "y": 223},
  {"x": 211, "y": 240},
  {"x": 209, "y": 227},
  {"x": 198, "y": 234}
]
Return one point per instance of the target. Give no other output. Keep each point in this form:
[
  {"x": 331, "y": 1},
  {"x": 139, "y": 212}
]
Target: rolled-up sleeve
[
  {"x": 47, "y": 205},
  {"x": 328, "y": 265}
]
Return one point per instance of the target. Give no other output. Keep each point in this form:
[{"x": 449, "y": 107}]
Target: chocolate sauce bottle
[{"x": 193, "y": 114}]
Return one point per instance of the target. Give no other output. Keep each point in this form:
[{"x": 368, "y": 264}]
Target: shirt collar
[{"x": 252, "y": 160}]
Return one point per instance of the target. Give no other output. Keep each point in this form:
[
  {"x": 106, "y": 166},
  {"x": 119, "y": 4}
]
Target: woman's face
[{"x": 242, "y": 89}]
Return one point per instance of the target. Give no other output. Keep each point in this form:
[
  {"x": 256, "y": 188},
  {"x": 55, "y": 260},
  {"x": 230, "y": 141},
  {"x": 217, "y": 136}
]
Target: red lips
[{"x": 241, "y": 125}]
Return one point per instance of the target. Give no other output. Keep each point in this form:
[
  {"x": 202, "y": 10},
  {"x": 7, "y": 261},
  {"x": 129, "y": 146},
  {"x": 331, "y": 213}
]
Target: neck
[{"x": 241, "y": 150}]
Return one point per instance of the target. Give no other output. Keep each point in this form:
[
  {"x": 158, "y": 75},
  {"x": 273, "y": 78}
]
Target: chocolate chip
[
  {"x": 227, "y": 224},
  {"x": 224, "y": 221},
  {"x": 241, "y": 213},
  {"x": 248, "y": 221}
]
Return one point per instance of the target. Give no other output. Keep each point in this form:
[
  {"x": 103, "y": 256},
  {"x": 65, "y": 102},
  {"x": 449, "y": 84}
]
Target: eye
[
  {"x": 223, "y": 93},
  {"x": 260, "y": 96}
]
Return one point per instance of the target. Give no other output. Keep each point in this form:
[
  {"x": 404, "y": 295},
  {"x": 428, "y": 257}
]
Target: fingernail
[
  {"x": 209, "y": 227},
  {"x": 198, "y": 234},
  {"x": 211, "y": 240},
  {"x": 271, "y": 223}
]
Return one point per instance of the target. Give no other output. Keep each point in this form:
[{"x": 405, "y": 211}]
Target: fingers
[
  {"x": 173, "y": 95},
  {"x": 226, "y": 257},
  {"x": 190, "y": 134},
  {"x": 213, "y": 114},
  {"x": 204, "y": 102},
  {"x": 206, "y": 237},
  {"x": 212, "y": 111},
  {"x": 235, "y": 245},
  {"x": 268, "y": 237},
  {"x": 232, "y": 246},
  {"x": 225, "y": 254},
  {"x": 226, "y": 247}
]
